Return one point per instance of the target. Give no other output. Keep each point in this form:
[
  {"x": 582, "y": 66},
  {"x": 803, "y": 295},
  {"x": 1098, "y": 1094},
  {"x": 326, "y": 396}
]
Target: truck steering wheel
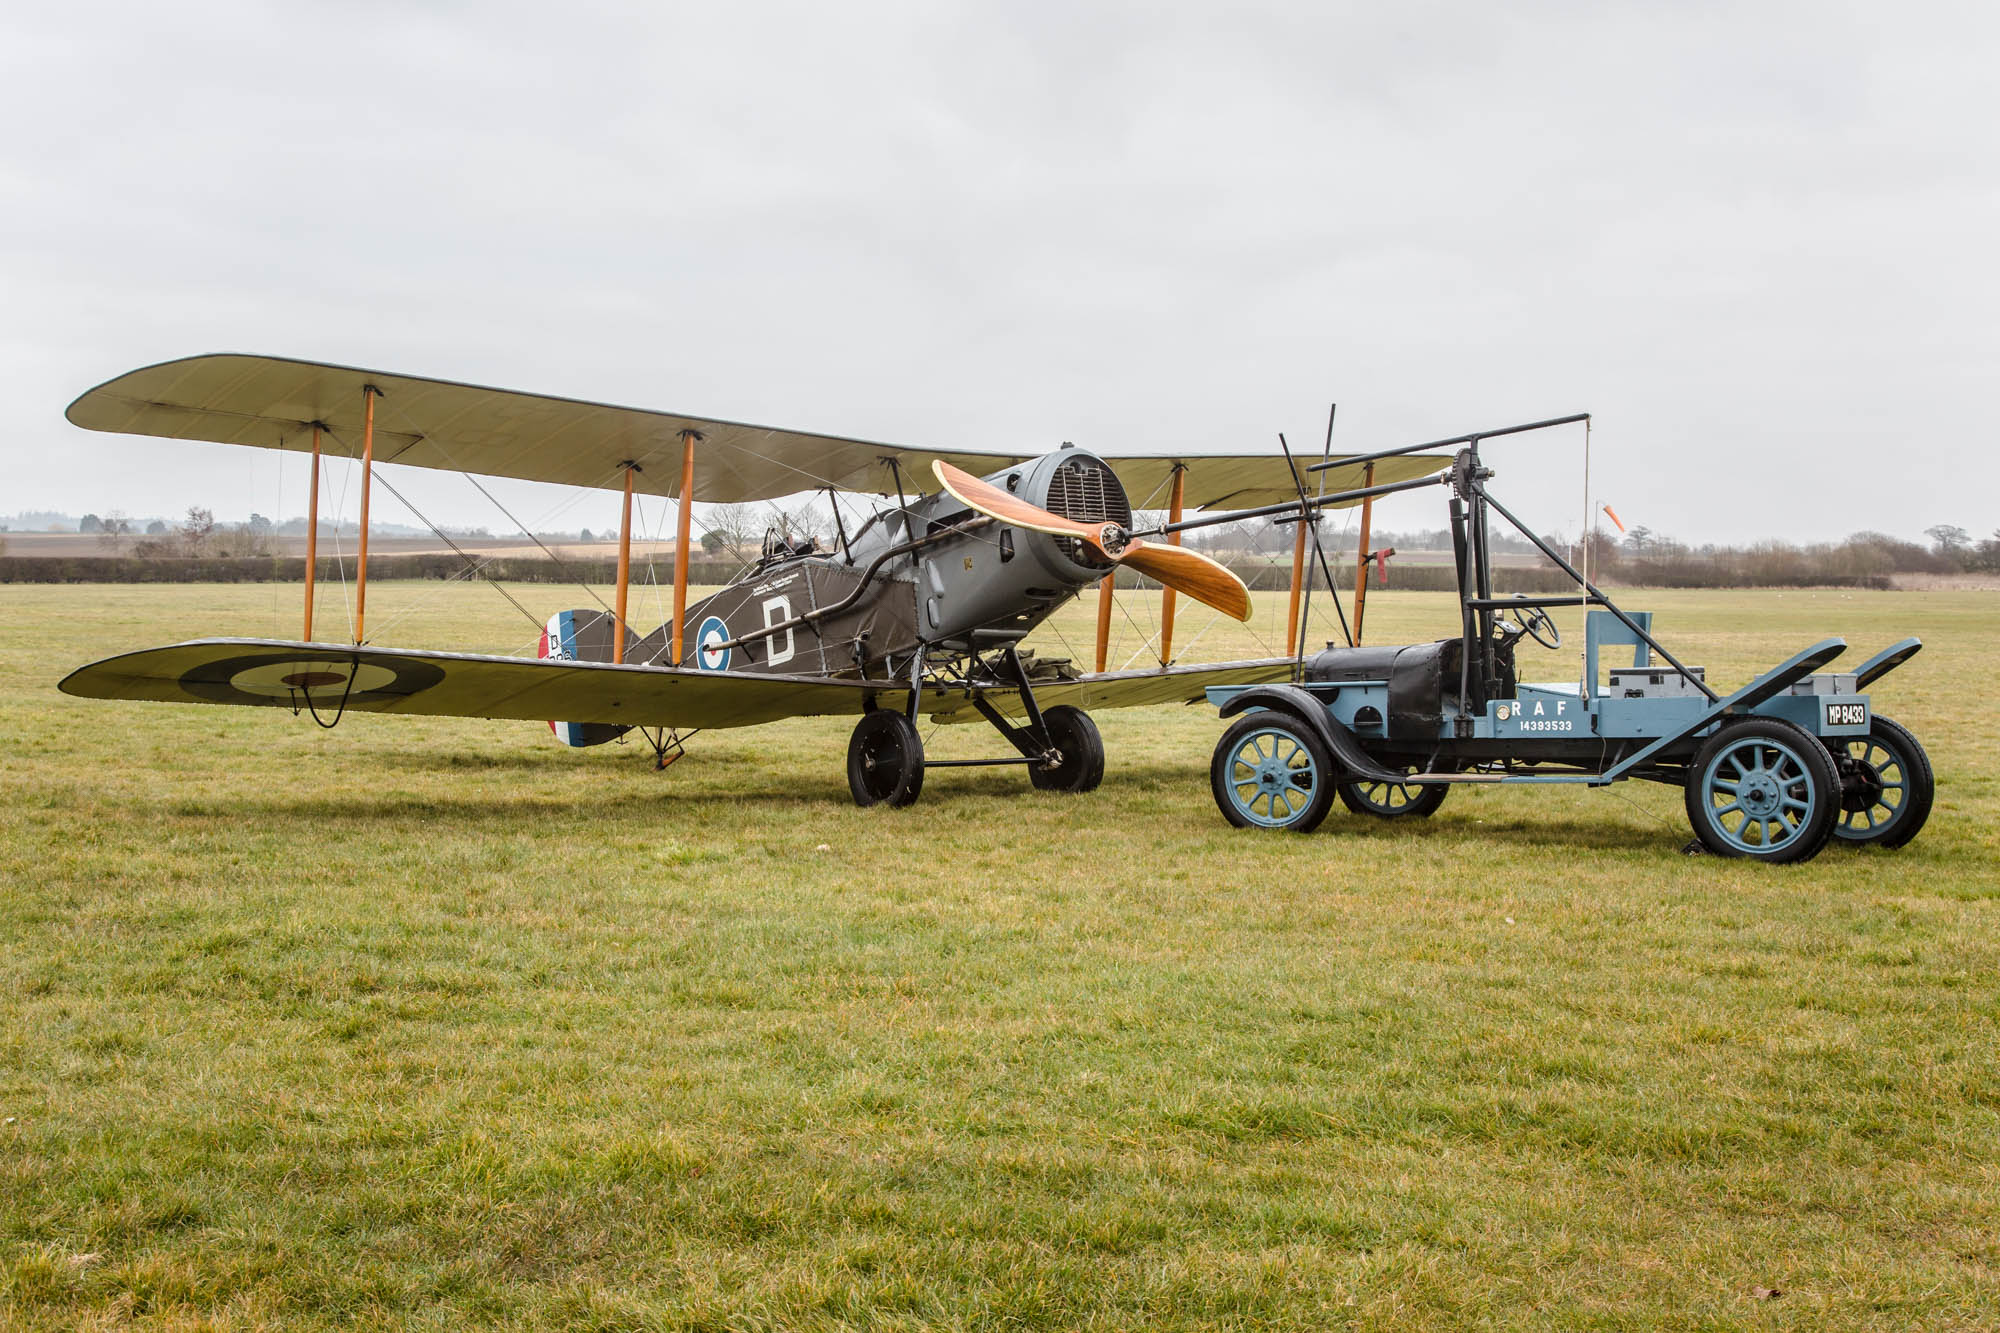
[{"x": 1535, "y": 623}]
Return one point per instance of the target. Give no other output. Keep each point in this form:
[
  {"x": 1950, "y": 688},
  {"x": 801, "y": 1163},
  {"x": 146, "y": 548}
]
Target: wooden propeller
[{"x": 1177, "y": 567}]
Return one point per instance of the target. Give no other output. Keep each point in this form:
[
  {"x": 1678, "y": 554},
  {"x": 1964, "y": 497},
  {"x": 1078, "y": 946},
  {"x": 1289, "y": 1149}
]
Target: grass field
[{"x": 434, "y": 1024}]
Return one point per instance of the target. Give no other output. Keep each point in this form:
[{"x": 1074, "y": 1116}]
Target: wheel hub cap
[{"x": 1759, "y": 794}]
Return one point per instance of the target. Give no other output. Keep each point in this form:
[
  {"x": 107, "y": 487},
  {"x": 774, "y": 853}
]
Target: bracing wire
[
  {"x": 819, "y": 482},
  {"x": 471, "y": 562},
  {"x": 525, "y": 530},
  {"x": 476, "y": 566},
  {"x": 1147, "y": 637},
  {"x": 339, "y": 552},
  {"x": 278, "y": 509}
]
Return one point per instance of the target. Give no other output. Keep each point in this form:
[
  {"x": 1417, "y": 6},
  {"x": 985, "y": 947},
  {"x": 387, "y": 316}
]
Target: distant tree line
[
  {"x": 1866, "y": 559},
  {"x": 1648, "y": 558},
  {"x": 535, "y": 568},
  {"x": 198, "y": 549}
]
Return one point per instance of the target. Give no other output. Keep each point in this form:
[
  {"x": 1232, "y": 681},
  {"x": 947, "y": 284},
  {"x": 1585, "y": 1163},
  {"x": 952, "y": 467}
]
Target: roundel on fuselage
[{"x": 707, "y": 656}]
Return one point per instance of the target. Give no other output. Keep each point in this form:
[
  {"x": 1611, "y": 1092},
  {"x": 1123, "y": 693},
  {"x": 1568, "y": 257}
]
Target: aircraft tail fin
[{"x": 582, "y": 636}]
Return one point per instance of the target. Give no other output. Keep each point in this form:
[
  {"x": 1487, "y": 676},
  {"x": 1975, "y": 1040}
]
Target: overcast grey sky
[{"x": 1756, "y": 240}]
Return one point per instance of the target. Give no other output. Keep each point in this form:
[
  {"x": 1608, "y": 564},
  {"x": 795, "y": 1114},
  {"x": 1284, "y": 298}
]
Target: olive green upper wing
[{"x": 272, "y": 402}]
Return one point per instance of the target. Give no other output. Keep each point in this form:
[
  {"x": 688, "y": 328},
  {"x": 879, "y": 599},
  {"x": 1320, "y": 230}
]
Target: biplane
[{"x": 917, "y": 612}]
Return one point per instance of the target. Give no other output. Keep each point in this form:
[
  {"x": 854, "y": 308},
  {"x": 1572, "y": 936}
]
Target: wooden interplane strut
[
  {"x": 1174, "y": 499},
  {"x": 312, "y": 536},
  {"x": 1298, "y": 583},
  {"x": 1361, "y": 564},
  {"x": 1104, "y": 592},
  {"x": 369, "y": 393},
  {"x": 688, "y": 437},
  {"x": 624, "y": 567}
]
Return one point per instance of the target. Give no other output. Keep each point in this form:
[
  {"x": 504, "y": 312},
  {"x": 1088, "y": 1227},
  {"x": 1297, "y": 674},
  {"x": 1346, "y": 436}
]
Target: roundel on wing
[
  {"x": 293, "y": 680},
  {"x": 707, "y": 656}
]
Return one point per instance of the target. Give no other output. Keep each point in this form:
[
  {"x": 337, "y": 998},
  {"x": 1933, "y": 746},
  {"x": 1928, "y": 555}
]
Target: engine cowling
[{"x": 1016, "y": 579}]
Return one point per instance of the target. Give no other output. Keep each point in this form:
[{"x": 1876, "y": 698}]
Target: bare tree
[
  {"x": 804, "y": 518},
  {"x": 738, "y": 524},
  {"x": 196, "y": 530},
  {"x": 1986, "y": 556},
  {"x": 242, "y": 539},
  {"x": 1949, "y": 538},
  {"x": 113, "y": 530}
]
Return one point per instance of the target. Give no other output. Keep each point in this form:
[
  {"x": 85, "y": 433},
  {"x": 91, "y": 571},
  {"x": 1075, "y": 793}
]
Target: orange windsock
[{"x": 1612, "y": 514}]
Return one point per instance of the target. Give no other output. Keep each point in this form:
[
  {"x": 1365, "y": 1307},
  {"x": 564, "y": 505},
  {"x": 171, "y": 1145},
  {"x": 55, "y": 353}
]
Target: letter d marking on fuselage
[{"x": 777, "y": 610}]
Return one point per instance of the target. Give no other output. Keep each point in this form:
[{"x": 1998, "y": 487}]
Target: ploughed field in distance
[{"x": 437, "y": 1023}]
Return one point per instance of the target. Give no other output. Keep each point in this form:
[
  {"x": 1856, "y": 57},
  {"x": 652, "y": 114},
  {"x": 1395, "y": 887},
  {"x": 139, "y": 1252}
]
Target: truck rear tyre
[
  {"x": 1886, "y": 786},
  {"x": 1393, "y": 800}
]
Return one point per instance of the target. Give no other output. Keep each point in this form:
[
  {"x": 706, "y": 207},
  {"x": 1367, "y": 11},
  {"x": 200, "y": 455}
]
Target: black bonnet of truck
[{"x": 1422, "y": 678}]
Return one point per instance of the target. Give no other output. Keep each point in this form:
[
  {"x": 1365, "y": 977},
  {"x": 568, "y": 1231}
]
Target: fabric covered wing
[
  {"x": 276, "y": 674},
  {"x": 272, "y": 402},
  {"x": 1244, "y": 481},
  {"x": 1114, "y": 689}
]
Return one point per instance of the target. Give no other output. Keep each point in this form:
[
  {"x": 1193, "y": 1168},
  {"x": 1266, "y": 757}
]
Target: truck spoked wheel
[
  {"x": 1763, "y": 789},
  {"x": 1886, "y": 785},
  {"x": 1270, "y": 771},
  {"x": 1393, "y": 800}
]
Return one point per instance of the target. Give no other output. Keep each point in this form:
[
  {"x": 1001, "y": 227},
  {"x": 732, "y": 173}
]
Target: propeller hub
[{"x": 1113, "y": 538}]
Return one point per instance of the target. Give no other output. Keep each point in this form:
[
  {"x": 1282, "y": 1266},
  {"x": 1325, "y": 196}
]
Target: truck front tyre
[
  {"x": 1764, "y": 790},
  {"x": 1271, "y": 771}
]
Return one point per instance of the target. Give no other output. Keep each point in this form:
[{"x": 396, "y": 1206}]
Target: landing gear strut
[{"x": 1060, "y": 747}]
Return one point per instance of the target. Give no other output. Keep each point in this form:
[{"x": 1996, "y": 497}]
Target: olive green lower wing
[
  {"x": 327, "y": 678},
  {"x": 1115, "y": 689},
  {"x": 331, "y": 678}
]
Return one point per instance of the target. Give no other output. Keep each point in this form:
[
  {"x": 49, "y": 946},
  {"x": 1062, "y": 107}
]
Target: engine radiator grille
[{"x": 1086, "y": 490}]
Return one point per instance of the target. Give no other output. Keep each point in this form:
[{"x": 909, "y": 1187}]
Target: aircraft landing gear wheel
[
  {"x": 1886, "y": 785},
  {"x": 1763, "y": 789},
  {"x": 1393, "y": 800},
  {"x": 1075, "y": 737},
  {"x": 1271, "y": 771},
  {"x": 885, "y": 760}
]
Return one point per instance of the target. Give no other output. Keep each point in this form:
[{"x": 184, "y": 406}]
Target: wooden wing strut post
[
  {"x": 1361, "y": 565},
  {"x": 1104, "y": 591},
  {"x": 312, "y": 536},
  {"x": 1167, "y": 595},
  {"x": 688, "y": 437},
  {"x": 1298, "y": 584},
  {"x": 369, "y": 393},
  {"x": 624, "y": 566}
]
